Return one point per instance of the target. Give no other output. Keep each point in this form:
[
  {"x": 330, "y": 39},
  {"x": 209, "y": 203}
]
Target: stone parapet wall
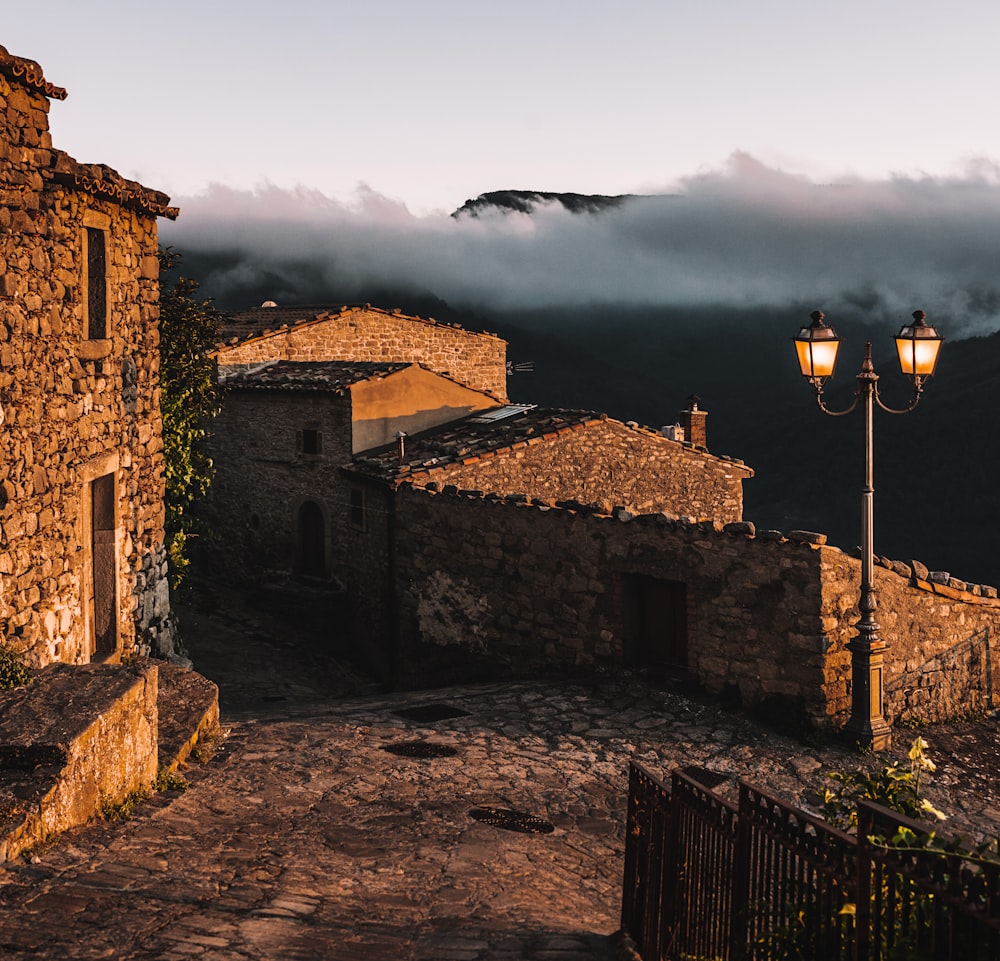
[
  {"x": 769, "y": 615},
  {"x": 534, "y": 585},
  {"x": 476, "y": 360},
  {"x": 942, "y": 639},
  {"x": 612, "y": 464},
  {"x": 74, "y": 408}
]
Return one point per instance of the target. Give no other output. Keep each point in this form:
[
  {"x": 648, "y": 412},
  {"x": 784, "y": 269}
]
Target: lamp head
[
  {"x": 816, "y": 347},
  {"x": 918, "y": 345}
]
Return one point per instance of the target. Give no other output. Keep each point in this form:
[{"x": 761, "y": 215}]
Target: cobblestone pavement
[{"x": 306, "y": 838}]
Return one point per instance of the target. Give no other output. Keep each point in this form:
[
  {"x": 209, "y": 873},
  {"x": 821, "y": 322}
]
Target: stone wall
[
  {"x": 767, "y": 615},
  {"x": 264, "y": 481},
  {"x": 263, "y": 477},
  {"x": 477, "y": 360},
  {"x": 942, "y": 636},
  {"x": 613, "y": 464},
  {"x": 76, "y": 407}
]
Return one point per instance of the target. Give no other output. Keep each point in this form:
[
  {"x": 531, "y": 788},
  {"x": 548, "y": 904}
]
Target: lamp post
[{"x": 917, "y": 345}]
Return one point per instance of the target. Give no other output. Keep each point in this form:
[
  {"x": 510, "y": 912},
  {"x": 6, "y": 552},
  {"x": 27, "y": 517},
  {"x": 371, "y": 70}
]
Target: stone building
[
  {"x": 285, "y": 430},
  {"x": 764, "y": 615},
  {"x": 478, "y": 360},
  {"x": 311, "y": 453},
  {"x": 82, "y": 560},
  {"x": 469, "y": 529}
]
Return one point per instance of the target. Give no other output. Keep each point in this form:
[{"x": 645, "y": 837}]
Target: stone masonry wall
[
  {"x": 768, "y": 615},
  {"x": 942, "y": 635},
  {"x": 73, "y": 408},
  {"x": 535, "y": 586},
  {"x": 613, "y": 464},
  {"x": 262, "y": 481},
  {"x": 476, "y": 360},
  {"x": 262, "y": 477}
]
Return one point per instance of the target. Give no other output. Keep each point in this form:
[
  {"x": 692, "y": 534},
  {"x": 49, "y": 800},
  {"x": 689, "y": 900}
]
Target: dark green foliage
[
  {"x": 13, "y": 671},
  {"x": 895, "y": 787},
  {"x": 124, "y": 809},
  {"x": 189, "y": 399},
  {"x": 170, "y": 781}
]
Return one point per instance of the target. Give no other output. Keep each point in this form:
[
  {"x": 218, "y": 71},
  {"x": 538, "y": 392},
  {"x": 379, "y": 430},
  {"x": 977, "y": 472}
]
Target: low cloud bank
[{"x": 744, "y": 236}]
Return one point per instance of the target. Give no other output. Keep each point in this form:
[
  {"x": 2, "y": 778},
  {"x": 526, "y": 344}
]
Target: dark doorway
[
  {"x": 105, "y": 603},
  {"x": 656, "y": 624},
  {"x": 312, "y": 541}
]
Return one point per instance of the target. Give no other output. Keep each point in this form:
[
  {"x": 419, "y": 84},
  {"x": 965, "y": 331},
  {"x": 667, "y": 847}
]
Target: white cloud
[{"x": 747, "y": 235}]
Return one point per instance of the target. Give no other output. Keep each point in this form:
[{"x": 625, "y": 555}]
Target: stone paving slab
[{"x": 304, "y": 838}]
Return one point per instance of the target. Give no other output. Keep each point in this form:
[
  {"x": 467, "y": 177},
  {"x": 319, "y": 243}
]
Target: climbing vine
[{"x": 189, "y": 399}]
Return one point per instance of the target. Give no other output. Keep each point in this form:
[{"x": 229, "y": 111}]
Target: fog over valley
[{"x": 742, "y": 236}]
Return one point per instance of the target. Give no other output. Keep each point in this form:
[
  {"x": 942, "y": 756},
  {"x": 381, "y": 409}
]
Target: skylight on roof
[{"x": 502, "y": 413}]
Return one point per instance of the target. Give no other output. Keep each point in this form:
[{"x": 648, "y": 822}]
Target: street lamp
[{"x": 917, "y": 345}]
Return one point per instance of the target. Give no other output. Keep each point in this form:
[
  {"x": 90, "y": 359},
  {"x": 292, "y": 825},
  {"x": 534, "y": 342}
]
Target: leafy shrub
[
  {"x": 895, "y": 787},
  {"x": 14, "y": 672}
]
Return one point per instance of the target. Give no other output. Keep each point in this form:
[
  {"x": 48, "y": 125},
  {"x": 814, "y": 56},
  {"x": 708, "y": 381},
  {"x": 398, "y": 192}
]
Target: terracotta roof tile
[
  {"x": 102, "y": 181},
  {"x": 324, "y": 375},
  {"x": 28, "y": 73},
  {"x": 469, "y": 440},
  {"x": 262, "y": 321}
]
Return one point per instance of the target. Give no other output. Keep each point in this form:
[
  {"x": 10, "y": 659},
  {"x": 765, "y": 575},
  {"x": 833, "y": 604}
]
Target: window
[
  {"x": 358, "y": 508},
  {"x": 310, "y": 442},
  {"x": 94, "y": 278}
]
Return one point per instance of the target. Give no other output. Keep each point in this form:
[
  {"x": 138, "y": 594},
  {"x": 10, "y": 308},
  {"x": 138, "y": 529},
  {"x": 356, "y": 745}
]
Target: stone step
[
  {"x": 188, "y": 706},
  {"x": 83, "y": 736}
]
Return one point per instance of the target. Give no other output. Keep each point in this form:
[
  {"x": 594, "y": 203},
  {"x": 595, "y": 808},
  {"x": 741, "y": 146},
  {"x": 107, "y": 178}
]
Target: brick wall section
[
  {"x": 611, "y": 463},
  {"x": 769, "y": 615},
  {"x": 73, "y": 408},
  {"x": 477, "y": 360}
]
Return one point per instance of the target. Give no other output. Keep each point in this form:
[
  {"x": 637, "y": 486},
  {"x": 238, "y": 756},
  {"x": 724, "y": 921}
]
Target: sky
[
  {"x": 823, "y": 153},
  {"x": 434, "y": 102}
]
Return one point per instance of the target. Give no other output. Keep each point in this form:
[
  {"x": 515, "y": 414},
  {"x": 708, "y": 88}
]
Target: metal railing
[{"x": 762, "y": 881}]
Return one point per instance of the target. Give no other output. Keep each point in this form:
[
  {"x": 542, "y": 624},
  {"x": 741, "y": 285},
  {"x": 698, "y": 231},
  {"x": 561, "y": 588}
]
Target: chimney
[
  {"x": 401, "y": 444},
  {"x": 692, "y": 419}
]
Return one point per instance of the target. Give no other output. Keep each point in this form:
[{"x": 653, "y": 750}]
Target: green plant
[
  {"x": 14, "y": 672},
  {"x": 170, "y": 781},
  {"x": 895, "y": 786},
  {"x": 122, "y": 810},
  {"x": 189, "y": 399}
]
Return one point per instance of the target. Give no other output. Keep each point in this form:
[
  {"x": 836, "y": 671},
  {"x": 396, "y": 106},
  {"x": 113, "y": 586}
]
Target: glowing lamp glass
[
  {"x": 918, "y": 346},
  {"x": 816, "y": 347}
]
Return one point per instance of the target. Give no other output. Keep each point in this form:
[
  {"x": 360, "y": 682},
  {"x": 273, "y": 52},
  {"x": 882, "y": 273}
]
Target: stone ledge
[
  {"x": 188, "y": 708},
  {"x": 93, "y": 728}
]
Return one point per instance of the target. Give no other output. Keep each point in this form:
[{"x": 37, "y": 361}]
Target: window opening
[
  {"x": 358, "y": 508},
  {"x": 311, "y": 441},
  {"x": 97, "y": 284}
]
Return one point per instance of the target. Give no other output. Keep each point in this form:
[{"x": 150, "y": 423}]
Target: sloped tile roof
[
  {"x": 470, "y": 439},
  {"x": 100, "y": 180},
  {"x": 29, "y": 73},
  {"x": 263, "y": 321},
  {"x": 331, "y": 376}
]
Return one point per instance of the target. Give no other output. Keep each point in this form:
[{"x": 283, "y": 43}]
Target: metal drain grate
[
  {"x": 512, "y": 820},
  {"x": 429, "y": 713},
  {"x": 420, "y": 749}
]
